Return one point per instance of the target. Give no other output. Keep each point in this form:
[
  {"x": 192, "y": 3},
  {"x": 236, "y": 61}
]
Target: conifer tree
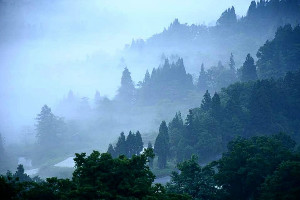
[
  {"x": 130, "y": 144},
  {"x": 20, "y": 174},
  {"x": 248, "y": 70},
  {"x": 48, "y": 127},
  {"x": 206, "y": 101},
  {"x": 161, "y": 146},
  {"x": 232, "y": 63},
  {"x": 146, "y": 78},
  {"x": 216, "y": 106},
  {"x": 121, "y": 146},
  {"x": 111, "y": 150},
  {"x": 150, "y": 159},
  {"x": 202, "y": 83},
  {"x": 139, "y": 145},
  {"x": 127, "y": 89}
]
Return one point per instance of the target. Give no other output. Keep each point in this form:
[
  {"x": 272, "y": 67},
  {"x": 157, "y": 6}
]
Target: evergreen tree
[
  {"x": 232, "y": 63},
  {"x": 206, "y": 101},
  {"x": 127, "y": 89},
  {"x": 111, "y": 150},
  {"x": 248, "y": 70},
  {"x": 228, "y": 18},
  {"x": 48, "y": 127},
  {"x": 121, "y": 146},
  {"x": 161, "y": 146},
  {"x": 131, "y": 146},
  {"x": 139, "y": 145},
  {"x": 216, "y": 106},
  {"x": 150, "y": 159},
  {"x": 202, "y": 83},
  {"x": 190, "y": 125},
  {"x": 146, "y": 78},
  {"x": 20, "y": 174}
]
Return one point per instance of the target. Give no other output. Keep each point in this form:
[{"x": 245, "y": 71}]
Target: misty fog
[{"x": 50, "y": 47}]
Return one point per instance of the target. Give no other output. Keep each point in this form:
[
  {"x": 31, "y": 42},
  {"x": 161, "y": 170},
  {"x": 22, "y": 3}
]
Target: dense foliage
[
  {"x": 264, "y": 167},
  {"x": 281, "y": 55},
  {"x": 97, "y": 176},
  {"x": 243, "y": 109}
]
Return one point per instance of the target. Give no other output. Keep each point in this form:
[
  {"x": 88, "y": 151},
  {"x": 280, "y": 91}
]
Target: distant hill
[{"x": 198, "y": 44}]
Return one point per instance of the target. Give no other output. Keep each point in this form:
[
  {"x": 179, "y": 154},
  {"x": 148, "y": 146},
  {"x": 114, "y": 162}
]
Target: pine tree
[
  {"x": 227, "y": 18},
  {"x": 146, "y": 78},
  {"x": 127, "y": 89},
  {"x": 20, "y": 174},
  {"x": 139, "y": 145},
  {"x": 216, "y": 106},
  {"x": 161, "y": 146},
  {"x": 121, "y": 146},
  {"x": 232, "y": 63},
  {"x": 206, "y": 101},
  {"x": 202, "y": 83},
  {"x": 48, "y": 127},
  {"x": 248, "y": 70},
  {"x": 150, "y": 159},
  {"x": 111, "y": 150},
  {"x": 130, "y": 143}
]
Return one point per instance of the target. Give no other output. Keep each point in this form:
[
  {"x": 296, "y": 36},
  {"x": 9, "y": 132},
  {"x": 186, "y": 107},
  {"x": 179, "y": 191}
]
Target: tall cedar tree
[
  {"x": 127, "y": 89},
  {"x": 216, "y": 106},
  {"x": 248, "y": 70},
  {"x": 121, "y": 146},
  {"x": 138, "y": 145},
  {"x": 161, "y": 146},
  {"x": 203, "y": 80},
  {"x": 150, "y": 159},
  {"x": 111, "y": 150},
  {"x": 48, "y": 127},
  {"x": 206, "y": 101}
]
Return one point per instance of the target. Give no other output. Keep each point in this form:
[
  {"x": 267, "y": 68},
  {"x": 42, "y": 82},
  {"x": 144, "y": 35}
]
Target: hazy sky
[{"x": 57, "y": 45}]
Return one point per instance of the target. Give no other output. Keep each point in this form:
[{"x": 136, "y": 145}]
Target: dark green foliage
[
  {"x": 248, "y": 70},
  {"x": 161, "y": 145},
  {"x": 194, "y": 180},
  {"x": 284, "y": 183},
  {"x": 97, "y": 176},
  {"x": 264, "y": 167},
  {"x": 242, "y": 109},
  {"x": 247, "y": 163},
  {"x": 281, "y": 55}
]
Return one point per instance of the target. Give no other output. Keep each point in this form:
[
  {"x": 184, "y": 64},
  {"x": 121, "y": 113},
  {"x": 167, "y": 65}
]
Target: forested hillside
[
  {"x": 218, "y": 118},
  {"x": 232, "y": 34}
]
